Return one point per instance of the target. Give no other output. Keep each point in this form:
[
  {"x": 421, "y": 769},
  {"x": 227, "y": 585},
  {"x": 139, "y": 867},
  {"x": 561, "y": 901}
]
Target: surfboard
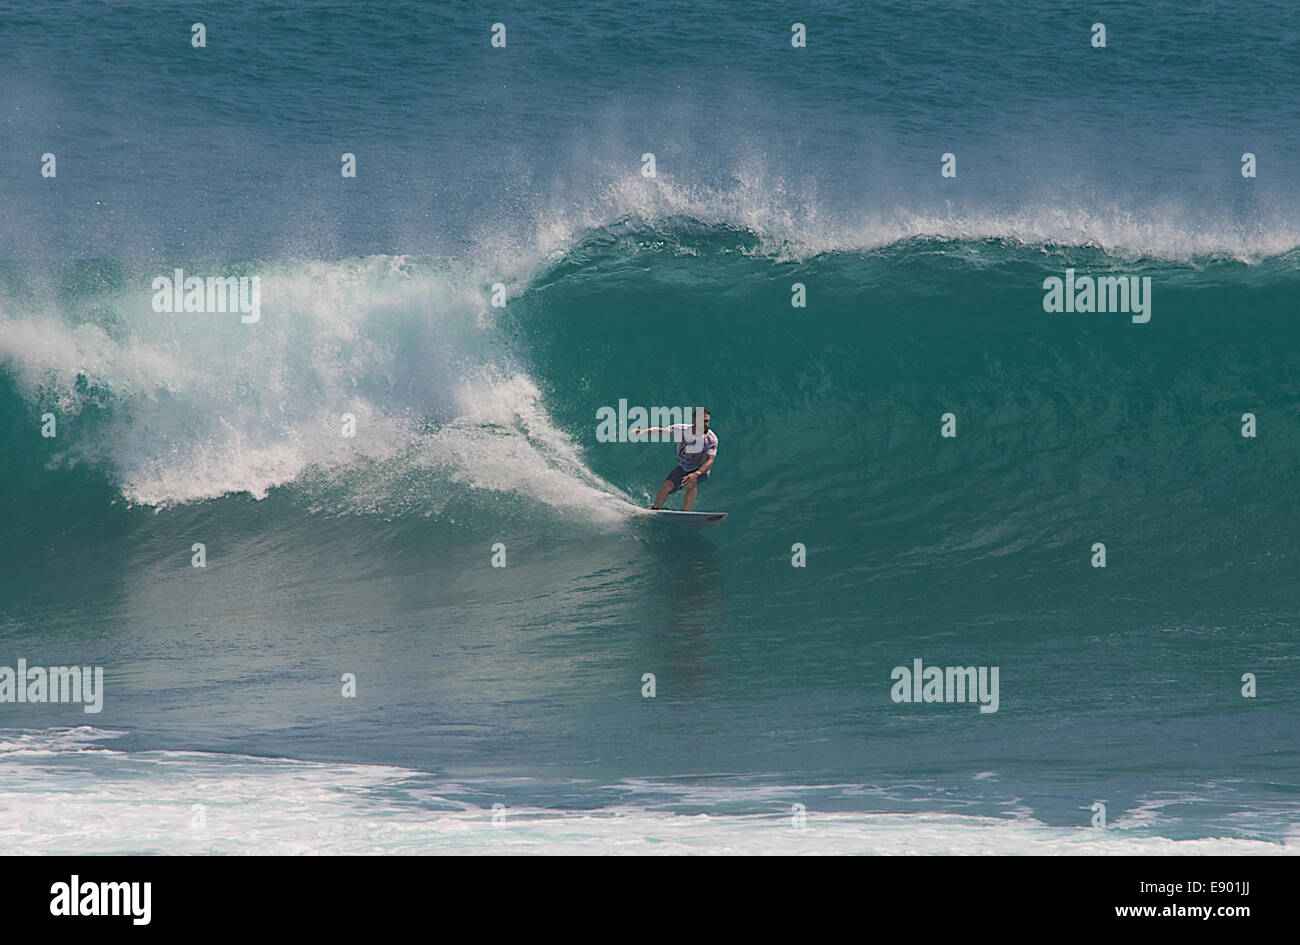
[{"x": 697, "y": 521}]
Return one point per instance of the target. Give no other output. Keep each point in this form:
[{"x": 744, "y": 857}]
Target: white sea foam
[
  {"x": 204, "y": 406},
  {"x": 68, "y": 792}
]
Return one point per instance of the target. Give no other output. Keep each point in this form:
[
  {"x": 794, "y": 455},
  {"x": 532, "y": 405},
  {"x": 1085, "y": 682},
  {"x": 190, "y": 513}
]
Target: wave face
[{"x": 1070, "y": 427}]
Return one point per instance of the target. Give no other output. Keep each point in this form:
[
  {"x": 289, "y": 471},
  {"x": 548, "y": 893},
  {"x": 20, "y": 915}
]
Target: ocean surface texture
[{"x": 427, "y": 600}]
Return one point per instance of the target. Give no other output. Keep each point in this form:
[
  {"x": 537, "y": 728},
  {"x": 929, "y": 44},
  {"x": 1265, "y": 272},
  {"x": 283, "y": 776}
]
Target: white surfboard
[{"x": 697, "y": 521}]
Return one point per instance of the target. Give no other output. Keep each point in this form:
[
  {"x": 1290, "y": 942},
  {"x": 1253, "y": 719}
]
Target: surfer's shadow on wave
[{"x": 689, "y": 569}]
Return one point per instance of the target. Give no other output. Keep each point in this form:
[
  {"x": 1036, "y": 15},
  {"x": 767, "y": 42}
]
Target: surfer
[{"x": 696, "y": 450}]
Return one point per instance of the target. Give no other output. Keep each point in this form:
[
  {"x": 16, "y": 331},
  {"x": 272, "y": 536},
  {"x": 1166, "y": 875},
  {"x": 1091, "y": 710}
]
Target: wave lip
[{"x": 793, "y": 223}]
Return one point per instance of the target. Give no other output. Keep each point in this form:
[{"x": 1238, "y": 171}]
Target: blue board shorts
[{"x": 675, "y": 477}]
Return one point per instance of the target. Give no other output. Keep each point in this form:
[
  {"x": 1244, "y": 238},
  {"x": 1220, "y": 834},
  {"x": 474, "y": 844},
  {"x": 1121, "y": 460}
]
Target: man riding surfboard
[{"x": 697, "y": 448}]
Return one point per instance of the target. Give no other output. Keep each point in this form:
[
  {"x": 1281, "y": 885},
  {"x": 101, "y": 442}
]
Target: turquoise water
[{"x": 476, "y": 427}]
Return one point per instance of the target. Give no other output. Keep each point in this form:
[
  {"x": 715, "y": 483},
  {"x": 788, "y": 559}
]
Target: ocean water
[{"x": 504, "y": 709}]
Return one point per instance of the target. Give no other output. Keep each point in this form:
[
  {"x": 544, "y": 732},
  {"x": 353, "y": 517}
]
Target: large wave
[{"x": 463, "y": 408}]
